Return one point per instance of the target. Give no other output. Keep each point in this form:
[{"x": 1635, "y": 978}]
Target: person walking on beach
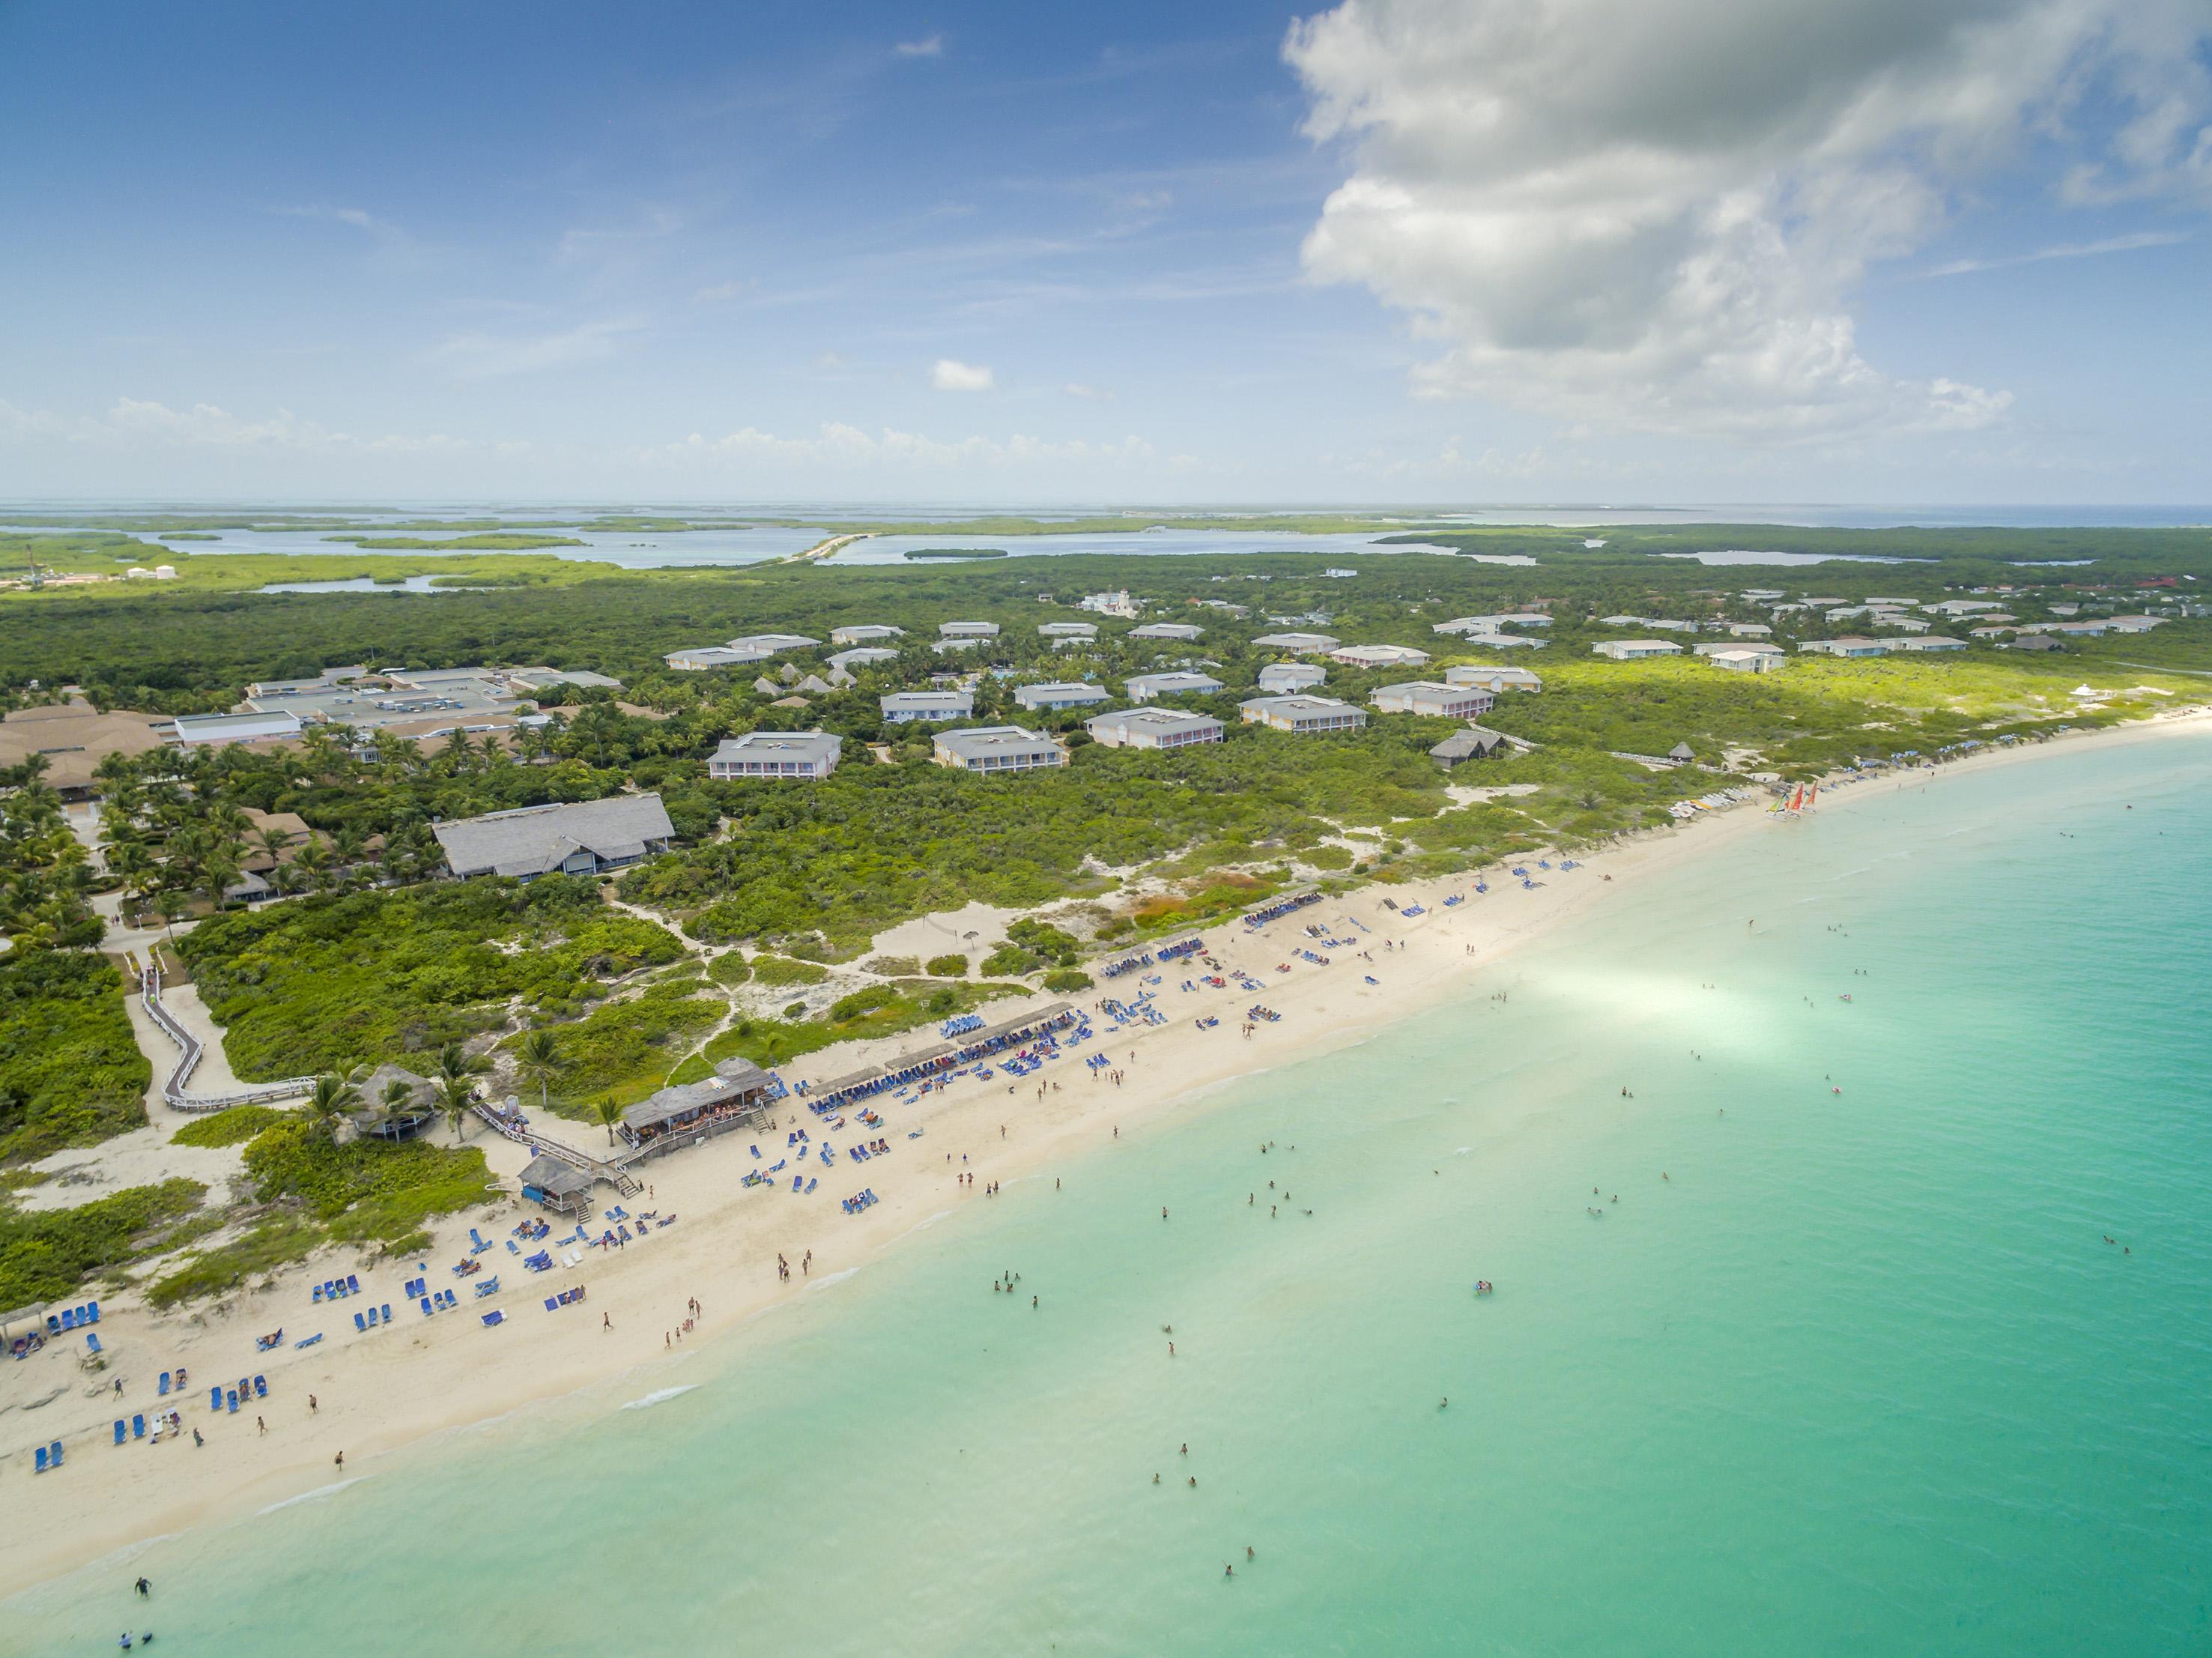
[
  {"x": 311, "y": 1406},
  {"x": 341, "y": 1458},
  {"x": 144, "y": 1588}
]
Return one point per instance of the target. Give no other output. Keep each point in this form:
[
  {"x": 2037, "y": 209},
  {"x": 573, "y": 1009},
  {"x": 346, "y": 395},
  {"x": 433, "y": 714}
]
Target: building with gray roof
[
  {"x": 1067, "y": 693},
  {"x": 1185, "y": 631},
  {"x": 1144, "y": 687},
  {"x": 776, "y": 754},
  {"x": 906, "y": 707},
  {"x": 1299, "y": 643},
  {"x": 581, "y": 838},
  {"x": 996, "y": 748},
  {"x": 1303, "y": 716},
  {"x": 1153, "y": 728},
  {"x": 1284, "y": 677},
  {"x": 199, "y": 730}
]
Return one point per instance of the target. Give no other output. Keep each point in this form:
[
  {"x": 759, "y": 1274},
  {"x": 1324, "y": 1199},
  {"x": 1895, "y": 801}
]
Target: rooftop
[{"x": 532, "y": 840}]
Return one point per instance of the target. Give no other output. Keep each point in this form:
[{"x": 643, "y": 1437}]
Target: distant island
[
  {"x": 957, "y": 552},
  {"x": 507, "y": 541}
]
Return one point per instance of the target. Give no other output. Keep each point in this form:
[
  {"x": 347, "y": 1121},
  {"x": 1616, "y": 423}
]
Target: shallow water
[{"x": 1858, "y": 1375}]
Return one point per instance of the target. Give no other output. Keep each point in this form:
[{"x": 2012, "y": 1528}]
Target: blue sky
[{"x": 1414, "y": 251}]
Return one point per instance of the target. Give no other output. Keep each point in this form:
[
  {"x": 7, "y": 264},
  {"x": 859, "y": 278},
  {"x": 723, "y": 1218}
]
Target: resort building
[
  {"x": 2035, "y": 641},
  {"x": 967, "y": 630},
  {"x": 1929, "y": 642},
  {"x": 865, "y": 633},
  {"x": 1902, "y": 623},
  {"x": 1473, "y": 744},
  {"x": 1494, "y": 680},
  {"x": 1153, "y": 728},
  {"x": 1748, "y": 659},
  {"x": 1183, "y": 631},
  {"x": 1961, "y": 606},
  {"x": 905, "y": 707},
  {"x": 1146, "y": 688},
  {"x": 774, "y": 642},
  {"x": 579, "y": 839},
  {"x": 73, "y": 738},
  {"x": 1450, "y": 702},
  {"x": 1066, "y": 694},
  {"x": 1280, "y": 677},
  {"x": 776, "y": 754},
  {"x": 395, "y": 1104},
  {"x": 551, "y": 1183},
  {"x": 1635, "y": 650},
  {"x": 1302, "y": 715},
  {"x": 1064, "y": 632},
  {"x": 1379, "y": 656},
  {"x": 996, "y": 748},
  {"x": 1848, "y": 647},
  {"x": 2126, "y": 623},
  {"x": 691, "y": 1112},
  {"x": 422, "y": 702},
  {"x": 1750, "y": 631},
  {"x": 1463, "y": 624},
  {"x": 697, "y": 658},
  {"x": 1299, "y": 644},
  {"x": 861, "y": 656},
  {"x": 1505, "y": 641},
  {"x": 1116, "y": 603},
  {"x": 959, "y": 641},
  {"x": 199, "y": 730}
]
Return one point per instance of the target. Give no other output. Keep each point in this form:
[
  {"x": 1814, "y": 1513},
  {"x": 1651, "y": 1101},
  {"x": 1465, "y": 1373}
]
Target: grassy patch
[
  {"x": 47, "y": 1254},
  {"x": 325, "y": 983},
  {"x": 626, "y": 1048},
  {"x": 366, "y": 1191},
  {"x": 777, "y": 971},
  {"x": 273, "y": 1242},
  {"x": 71, "y": 1071},
  {"x": 232, "y": 1126}
]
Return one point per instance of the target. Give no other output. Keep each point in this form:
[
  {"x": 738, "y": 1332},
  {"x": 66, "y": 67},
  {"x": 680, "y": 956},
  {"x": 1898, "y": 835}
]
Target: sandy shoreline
[{"x": 386, "y": 1391}]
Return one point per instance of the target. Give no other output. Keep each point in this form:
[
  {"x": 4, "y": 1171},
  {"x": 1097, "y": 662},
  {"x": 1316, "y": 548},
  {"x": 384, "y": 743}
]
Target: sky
[{"x": 1397, "y": 251}]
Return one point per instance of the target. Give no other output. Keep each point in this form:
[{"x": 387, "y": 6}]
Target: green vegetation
[
  {"x": 233, "y": 1125},
  {"x": 876, "y": 1010},
  {"x": 957, "y": 552},
  {"x": 776, "y": 971},
  {"x": 71, "y": 1070},
  {"x": 47, "y": 1254},
  {"x": 730, "y": 968},
  {"x": 325, "y": 983},
  {"x": 277, "y": 1240},
  {"x": 366, "y": 1191},
  {"x": 948, "y": 966},
  {"x": 1066, "y": 981},
  {"x": 625, "y": 1049}
]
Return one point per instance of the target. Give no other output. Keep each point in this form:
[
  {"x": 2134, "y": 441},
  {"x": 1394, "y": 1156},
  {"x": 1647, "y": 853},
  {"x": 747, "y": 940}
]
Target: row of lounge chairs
[
  {"x": 566, "y": 1298},
  {"x": 373, "y": 1319},
  {"x": 224, "y": 1400},
  {"x": 859, "y": 1201},
  {"x": 333, "y": 1289},
  {"x": 72, "y": 1317}
]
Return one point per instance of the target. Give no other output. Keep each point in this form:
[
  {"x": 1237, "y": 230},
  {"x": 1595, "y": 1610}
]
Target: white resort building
[
  {"x": 1146, "y": 688},
  {"x": 1153, "y": 728},
  {"x": 1451, "y": 702},
  {"x": 905, "y": 707},
  {"x": 1302, "y": 715},
  {"x": 995, "y": 748},
  {"x": 1066, "y": 694},
  {"x": 776, "y": 754}
]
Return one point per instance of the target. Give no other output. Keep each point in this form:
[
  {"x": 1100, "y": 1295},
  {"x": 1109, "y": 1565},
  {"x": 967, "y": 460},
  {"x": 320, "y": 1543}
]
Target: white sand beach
[{"x": 377, "y": 1395}]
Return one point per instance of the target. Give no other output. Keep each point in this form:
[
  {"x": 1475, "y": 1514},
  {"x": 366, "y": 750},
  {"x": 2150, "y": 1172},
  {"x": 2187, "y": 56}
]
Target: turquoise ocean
[{"x": 1848, "y": 1372}]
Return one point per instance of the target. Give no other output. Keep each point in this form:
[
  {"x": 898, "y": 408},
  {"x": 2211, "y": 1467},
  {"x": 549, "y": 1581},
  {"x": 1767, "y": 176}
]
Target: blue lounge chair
[
  {"x": 92, "y": 1344},
  {"x": 165, "y": 1384},
  {"x": 360, "y": 1323},
  {"x": 513, "y": 1248},
  {"x": 121, "y": 1432},
  {"x": 41, "y": 1466},
  {"x": 353, "y": 1285},
  {"x": 315, "y": 1299},
  {"x": 68, "y": 1318},
  {"x": 215, "y": 1398},
  {"x": 261, "y": 1388},
  {"x": 138, "y": 1427},
  {"x": 494, "y": 1317},
  {"x": 489, "y": 1286},
  {"x": 230, "y": 1401},
  {"x": 388, "y": 1312},
  {"x": 309, "y": 1341},
  {"x": 476, "y": 1240},
  {"x": 54, "y": 1455},
  {"x": 426, "y": 1306},
  {"x": 94, "y": 1310},
  {"x": 372, "y": 1318},
  {"x": 550, "y": 1303}
]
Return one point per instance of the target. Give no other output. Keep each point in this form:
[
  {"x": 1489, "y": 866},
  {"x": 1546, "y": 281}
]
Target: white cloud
[
  {"x": 491, "y": 356},
  {"x": 1088, "y": 394},
  {"x": 932, "y": 47},
  {"x": 137, "y": 425},
  {"x": 947, "y": 375},
  {"x": 1654, "y": 213},
  {"x": 2077, "y": 250}
]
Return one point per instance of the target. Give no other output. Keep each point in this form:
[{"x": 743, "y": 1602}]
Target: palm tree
[
  {"x": 455, "y": 1095},
  {"x": 455, "y": 1063},
  {"x": 537, "y": 1059},
  {"x": 329, "y": 1101},
  {"x": 606, "y": 1112},
  {"x": 169, "y": 904},
  {"x": 396, "y": 1097}
]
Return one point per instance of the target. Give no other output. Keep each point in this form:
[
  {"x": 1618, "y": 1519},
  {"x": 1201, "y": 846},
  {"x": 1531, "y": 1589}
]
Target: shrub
[
  {"x": 894, "y": 967},
  {"x": 45, "y": 1254},
  {"x": 794, "y": 1010},
  {"x": 365, "y": 1189},
  {"x": 948, "y": 966},
  {"x": 1065, "y": 979},
  {"x": 228, "y": 1127},
  {"x": 71, "y": 1070},
  {"x": 1328, "y": 857},
  {"x": 730, "y": 968},
  {"x": 849, "y": 1007},
  {"x": 777, "y": 971}
]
